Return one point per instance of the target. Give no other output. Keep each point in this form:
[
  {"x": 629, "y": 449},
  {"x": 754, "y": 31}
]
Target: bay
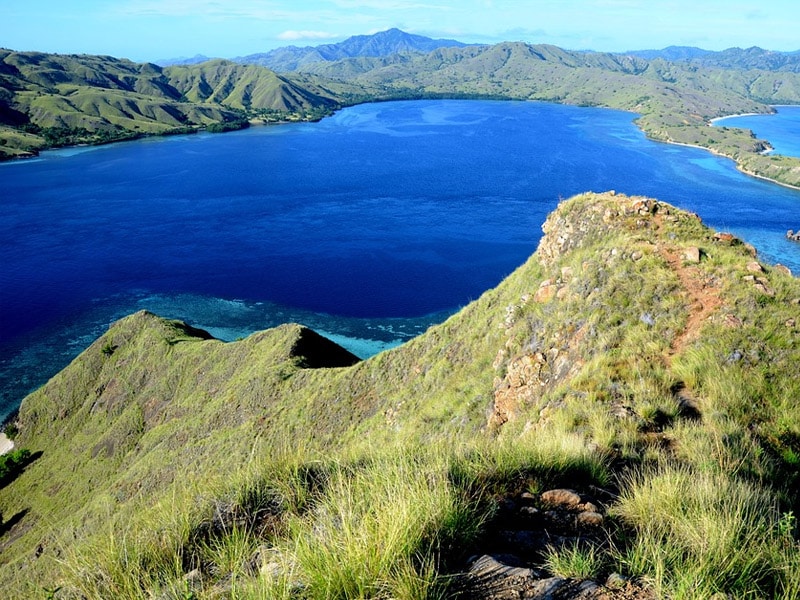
[
  {"x": 781, "y": 129},
  {"x": 370, "y": 225}
]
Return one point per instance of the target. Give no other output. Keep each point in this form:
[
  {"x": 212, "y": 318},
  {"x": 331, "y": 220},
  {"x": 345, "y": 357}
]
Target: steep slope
[
  {"x": 636, "y": 350},
  {"x": 383, "y": 43},
  {"x": 245, "y": 87}
]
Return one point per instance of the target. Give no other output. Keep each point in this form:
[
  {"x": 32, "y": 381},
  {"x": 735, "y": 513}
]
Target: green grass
[
  {"x": 576, "y": 561},
  {"x": 700, "y": 533},
  {"x": 378, "y": 525},
  {"x": 176, "y": 465}
]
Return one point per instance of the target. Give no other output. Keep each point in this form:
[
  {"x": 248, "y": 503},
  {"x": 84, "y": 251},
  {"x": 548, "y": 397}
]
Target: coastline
[
  {"x": 6, "y": 445},
  {"x": 750, "y": 114},
  {"x": 738, "y": 166}
]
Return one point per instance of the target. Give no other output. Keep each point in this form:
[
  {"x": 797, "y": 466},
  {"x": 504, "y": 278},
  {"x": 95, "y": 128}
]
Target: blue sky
[{"x": 153, "y": 29}]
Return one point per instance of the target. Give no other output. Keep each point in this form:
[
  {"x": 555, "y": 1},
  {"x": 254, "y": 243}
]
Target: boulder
[
  {"x": 561, "y": 498},
  {"x": 754, "y": 267},
  {"x": 692, "y": 254}
]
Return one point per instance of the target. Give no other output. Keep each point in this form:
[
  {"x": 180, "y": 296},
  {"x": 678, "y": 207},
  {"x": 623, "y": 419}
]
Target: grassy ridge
[{"x": 176, "y": 465}]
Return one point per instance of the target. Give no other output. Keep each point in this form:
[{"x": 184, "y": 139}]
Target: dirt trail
[{"x": 704, "y": 295}]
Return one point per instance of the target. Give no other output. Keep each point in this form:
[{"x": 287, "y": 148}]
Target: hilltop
[
  {"x": 383, "y": 43},
  {"x": 618, "y": 418}
]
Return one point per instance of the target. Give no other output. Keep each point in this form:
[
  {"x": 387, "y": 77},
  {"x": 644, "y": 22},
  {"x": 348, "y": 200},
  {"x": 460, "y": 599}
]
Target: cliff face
[{"x": 630, "y": 323}]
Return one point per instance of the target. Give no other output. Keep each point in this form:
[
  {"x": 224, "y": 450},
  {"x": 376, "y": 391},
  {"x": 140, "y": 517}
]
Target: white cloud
[
  {"x": 215, "y": 9},
  {"x": 306, "y": 35}
]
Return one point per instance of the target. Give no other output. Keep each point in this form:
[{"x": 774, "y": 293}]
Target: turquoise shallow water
[
  {"x": 370, "y": 225},
  {"x": 781, "y": 129}
]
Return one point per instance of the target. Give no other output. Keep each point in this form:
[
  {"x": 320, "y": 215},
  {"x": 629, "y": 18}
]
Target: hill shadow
[{"x": 18, "y": 468}]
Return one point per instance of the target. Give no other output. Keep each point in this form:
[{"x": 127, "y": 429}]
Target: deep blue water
[
  {"x": 369, "y": 225},
  {"x": 782, "y": 129}
]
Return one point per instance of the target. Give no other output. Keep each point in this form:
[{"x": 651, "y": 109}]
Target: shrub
[{"x": 12, "y": 463}]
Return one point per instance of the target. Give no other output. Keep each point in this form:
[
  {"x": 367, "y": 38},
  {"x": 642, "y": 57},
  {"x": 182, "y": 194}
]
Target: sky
[{"x": 150, "y": 30}]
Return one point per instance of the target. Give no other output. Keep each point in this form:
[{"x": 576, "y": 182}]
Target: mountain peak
[{"x": 383, "y": 43}]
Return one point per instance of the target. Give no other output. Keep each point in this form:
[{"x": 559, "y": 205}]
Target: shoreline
[
  {"x": 6, "y": 445},
  {"x": 750, "y": 114},
  {"x": 738, "y": 166}
]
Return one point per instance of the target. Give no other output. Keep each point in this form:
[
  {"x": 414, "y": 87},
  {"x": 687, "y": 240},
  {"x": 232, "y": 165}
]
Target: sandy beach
[
  {"x": 715, "y": 119},
  {"x": 6, "y": 445}
]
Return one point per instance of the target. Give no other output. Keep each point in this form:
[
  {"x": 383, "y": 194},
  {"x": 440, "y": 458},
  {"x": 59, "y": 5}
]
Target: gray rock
[
  {"x": 490, "y": 579},
  {"x": 692, "y": 254},
  {"x": 616, "y": 581}
]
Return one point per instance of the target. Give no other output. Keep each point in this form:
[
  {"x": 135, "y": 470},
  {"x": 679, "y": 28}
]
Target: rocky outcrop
[
  {"x": 491, "y": 579},
  {"x": 510, "y": 559}
]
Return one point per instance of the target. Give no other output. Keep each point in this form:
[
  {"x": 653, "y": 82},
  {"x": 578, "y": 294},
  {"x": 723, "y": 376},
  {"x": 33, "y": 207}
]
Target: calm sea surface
[
  {"x": 369, "y": 226},
  {"x": 782, "y": 129}
]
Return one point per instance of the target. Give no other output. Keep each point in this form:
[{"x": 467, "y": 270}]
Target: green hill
[
  {"x": 619, "y": 416},
  {"x": 51, "y": 100}
]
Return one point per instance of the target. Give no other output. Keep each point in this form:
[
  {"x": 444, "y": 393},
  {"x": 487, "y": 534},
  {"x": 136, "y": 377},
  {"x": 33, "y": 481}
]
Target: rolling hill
[{"x": 50, "y": 100}]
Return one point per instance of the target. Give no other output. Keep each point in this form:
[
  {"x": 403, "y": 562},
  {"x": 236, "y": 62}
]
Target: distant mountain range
[
  {"x": 670, "y": 53},
  {"x": 732, "y": 58},
  {"x": 182, "y": 60},
  {"x": 395, "y": 41},
  {"x": 383, "y": 43}
]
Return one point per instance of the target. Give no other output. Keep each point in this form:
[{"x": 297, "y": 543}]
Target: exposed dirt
[{"x": 703, "y": 294}]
